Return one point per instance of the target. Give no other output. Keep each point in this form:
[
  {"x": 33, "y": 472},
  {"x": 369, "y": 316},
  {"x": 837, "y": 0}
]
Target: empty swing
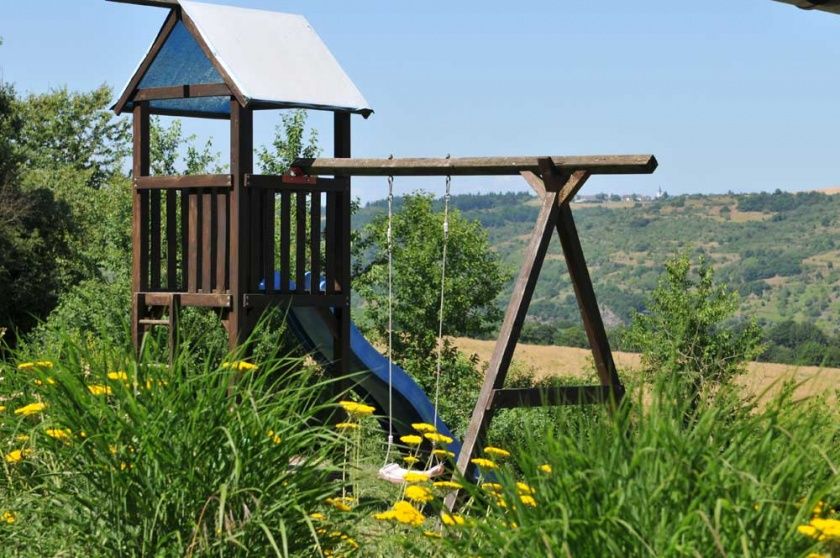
[{"x": 394, "y": 472}]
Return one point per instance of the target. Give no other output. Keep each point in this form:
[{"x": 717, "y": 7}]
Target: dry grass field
[{"x": 761, "y": 378}]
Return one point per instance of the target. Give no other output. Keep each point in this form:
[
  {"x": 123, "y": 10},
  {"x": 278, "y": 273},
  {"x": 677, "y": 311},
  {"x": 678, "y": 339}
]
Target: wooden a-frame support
[{"x": 556, "y": 188}]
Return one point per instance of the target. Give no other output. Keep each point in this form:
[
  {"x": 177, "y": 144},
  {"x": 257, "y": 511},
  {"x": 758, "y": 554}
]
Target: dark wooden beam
[
  {"x": 261, "y": 301},
  {"x": 183, "y": 182},
  {"x": 476, "y": 166},
  {"x": 290, "y": 183},
  {"x": 208, "y": 300},
  {"x": 141, "y": 164},
  {"x": 182, "y": 92},
  {"x": 172, "y": 4},
  {"x": 542, "y": 397}
]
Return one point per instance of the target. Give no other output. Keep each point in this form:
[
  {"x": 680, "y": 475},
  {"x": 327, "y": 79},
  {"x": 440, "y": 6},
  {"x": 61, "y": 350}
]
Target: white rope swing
[{"x": 393, "y": 472}]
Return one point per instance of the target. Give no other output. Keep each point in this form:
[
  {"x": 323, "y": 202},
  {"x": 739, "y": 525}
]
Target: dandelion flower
[
  {"x": 423, "y": 427},
  {"x": 16, "y": 456},
  {"x": 50, "y": 382},
  {"x": 357, "y": 409},
  {"x": 347, "y": 426},
  {"x": 496, "y": 452},
  {"x": 411, "y": 440},
  {"x": 436, "y": 438},
  {"x": 406, "y": 514},
  {"x": 412, "y": 477},
  {"x": 524, "y": 488},
  {"x": 341, "y": 504},
  {"x": 447, "y": 484},
  {"x": 38, "y": 364},
  {"x": 483, "y": 463},
  {"x": 118, "y": 376},
  {"x": 432, "y": 534},
  {"x": 31, "y": 409},
  {"x": 528, "y": 500},
  {"x": 385, "y": 516},
  {"x": 545, "y": 468},
  {"x": 22, "y": 438},
  {"x": 274, "y": 437},
  {"x": 58, "y": 433},
  {"x": 2, "y": 408},
  {"x": 99, "y": 389},
  {"x": 8, "y": 517},
  {"x": 491, "y": 486},
  {"x": 317, "y": 516},
  {"x": 452, "y": 519},
  {"x": 410, "y": 459},
  {"x": 419, "y": 494},
  {"x": 240, "y": 366},
  {"x": 443, "y": 454}
]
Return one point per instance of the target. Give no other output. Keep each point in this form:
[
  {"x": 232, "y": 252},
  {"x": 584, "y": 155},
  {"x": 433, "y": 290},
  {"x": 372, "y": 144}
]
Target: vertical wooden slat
[
  {"x": 154, "y": 238},
  {"x": 268, "y": 240},
  {"x": 139, "y": 217},
  {"x": 241, "y": 163},
  {"x": 329, "y": 243},
  {"x": 184, "y": 198},
  {"x": 192, "y": 243},
  {"x": 255, "y": 240},
  {"x": 171, "y": 240},
  {"x": 341, "y": 147},
  {"x": 315, "y": 241},
  {"x": 300, "y": 242},
  {"x": 207, "y": 248},
  {"x": 221, "y": 242},
  {"x": 285, "y": 239}
]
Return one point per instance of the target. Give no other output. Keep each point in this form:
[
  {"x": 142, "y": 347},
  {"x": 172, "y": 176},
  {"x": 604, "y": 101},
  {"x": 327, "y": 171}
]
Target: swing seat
[{"x": 395, "y": 474}]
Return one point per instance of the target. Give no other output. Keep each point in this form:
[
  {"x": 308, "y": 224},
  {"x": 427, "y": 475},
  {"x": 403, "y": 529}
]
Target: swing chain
[
  {"x": 390, "y": 249},
  {"x": 446, "y": 198}
]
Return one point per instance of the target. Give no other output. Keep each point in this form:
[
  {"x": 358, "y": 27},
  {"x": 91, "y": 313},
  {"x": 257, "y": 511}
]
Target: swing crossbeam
[{"x": 474, "y": 166}]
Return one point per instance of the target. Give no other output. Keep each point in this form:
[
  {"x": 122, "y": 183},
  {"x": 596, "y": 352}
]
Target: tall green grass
[{"x": 135, "y": 458}]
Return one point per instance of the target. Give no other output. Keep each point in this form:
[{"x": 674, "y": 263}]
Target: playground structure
[{"x": 212, "y": 240}]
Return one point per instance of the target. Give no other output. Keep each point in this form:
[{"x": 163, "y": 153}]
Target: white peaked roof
[{"x": 271, "y": 59}]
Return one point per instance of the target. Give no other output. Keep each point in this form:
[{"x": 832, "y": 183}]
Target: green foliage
[
  {"x": 165, "y": 461},
  {"x": 686, "y": 337},
  {"x": 801, "y": 343},
  {"x": 288, "y": 144},
  {"x": 169, "y": 150}
]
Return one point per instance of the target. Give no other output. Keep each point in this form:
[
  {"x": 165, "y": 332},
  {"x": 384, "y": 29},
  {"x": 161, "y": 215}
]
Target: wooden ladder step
[{"x": 150, "y": 322}]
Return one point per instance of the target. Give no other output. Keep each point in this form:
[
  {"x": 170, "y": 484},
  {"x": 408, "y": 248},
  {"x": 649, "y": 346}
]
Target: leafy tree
[
  {"x": 289, "y": 143},
  {"x": 687, "y": 337}
]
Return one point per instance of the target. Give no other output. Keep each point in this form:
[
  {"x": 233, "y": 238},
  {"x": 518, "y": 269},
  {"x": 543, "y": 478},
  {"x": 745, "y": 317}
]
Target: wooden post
[
  {"x": 140, "y": 220},
  {"x": 342, "y": 246},
  {"x": 241, "y": 163}
]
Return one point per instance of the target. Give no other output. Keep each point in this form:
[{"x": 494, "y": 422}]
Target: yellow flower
[
  {"x": 405, "y": 513},
  {"x": 545, "y": 468},
  {"x": 423, "y": 427},
  {"x": 436, "y": 438},
  {"x": 442, "y": 453},
  {"x": 357, "y": 409},
  {"x": 118, "y": 376},
  {"x": 491, "y": 486},
  {"x": 341, "y": 504},
  {"x": 528, "y": 500},
  {"x": 2, "y": 408},
  {"x": 412, "y": 477},
  {"x": 274, "y": 437},
  {"x": 411, "y": 440},
  {"x": 31, "y": 409},
  {"x": 496, "y": 452},
  {"x": 16, "y": 456},
  {"x": 452, "y": 519},
  {"x": 99, "y": 389},
  {"x": 58, "y": 433},
  {"x": 419, "y": 494},
  {"x": 524, "y": 488},
  {"x": 35, "y": 364},
  {"x": 432, "y": 534},
  {"x": 447, "y": 484},
  {"x": 317, "y": 516},
  {"x": 50, "y": 381},
  {"x": 240, "y": 366},
  {"x": 385, "y": 516},
  {"x": 483, "y": 463},
  {"x": 8, "y": 517},
  {"x": 410, "y": 459},
  {"x": 347, "y": 426},
  {"x": 22, "y": 438}
]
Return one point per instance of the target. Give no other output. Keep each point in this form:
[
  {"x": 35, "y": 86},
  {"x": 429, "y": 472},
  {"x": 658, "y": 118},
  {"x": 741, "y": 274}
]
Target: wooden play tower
[{"x": 219, "y": 241}]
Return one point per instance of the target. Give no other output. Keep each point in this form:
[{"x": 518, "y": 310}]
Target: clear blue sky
[{"x": 729, "y": 94}]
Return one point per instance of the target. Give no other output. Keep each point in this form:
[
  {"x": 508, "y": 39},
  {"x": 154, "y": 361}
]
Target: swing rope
[
  {"x": 390, "y": 319},
  {"x": 442, "y": 291}
]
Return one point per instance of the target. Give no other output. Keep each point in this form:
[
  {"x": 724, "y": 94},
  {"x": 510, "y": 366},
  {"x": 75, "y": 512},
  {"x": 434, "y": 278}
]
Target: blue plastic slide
[{"x": 370, "y": 368}]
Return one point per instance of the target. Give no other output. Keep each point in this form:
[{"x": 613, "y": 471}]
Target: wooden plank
[
  {"x": 535, "y": 182},
  {"x": 329, "y": 242},
  {"x": 192, "y": 244},
  {"x": 268, "y": 240},
  {"x": 208, "y": 52},
  {"x": 154, "y": 239},
  {"x": 141, "y": 163},
  {"x": 221, "y": 242},
  {"x": 476, "y": 166},
  {"x": 185, "y": 238},
  {"x": 553, "y": 396},
  {"x": 300, "y": 242},
  {"x": 315, "y": 241},
  {"x": 341, "y": 149},
  {"x": 255, "y": 251},
  {"x": 285, "y": 240},
  {"x": 162, "y": 35},
  {"x": 207, "y": 300},
  {"x": 258, "y": 300},
  {"x": 207, "y": 247},
  {"x": 171, "y": 240},
  {"x": 241, "y": 163},
  {"x": 187, "y": 91},
  {"x": 224, "y": 181},
  {"x": 174, "y": 311},
  {"x": 287, "y": 183}
]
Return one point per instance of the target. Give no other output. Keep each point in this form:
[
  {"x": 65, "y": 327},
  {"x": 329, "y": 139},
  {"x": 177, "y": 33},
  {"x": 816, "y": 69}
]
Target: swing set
[{"x": 211, "y": 240}]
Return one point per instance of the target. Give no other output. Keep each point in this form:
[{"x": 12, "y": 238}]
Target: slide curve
[{"x": 370, "y": 368}]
